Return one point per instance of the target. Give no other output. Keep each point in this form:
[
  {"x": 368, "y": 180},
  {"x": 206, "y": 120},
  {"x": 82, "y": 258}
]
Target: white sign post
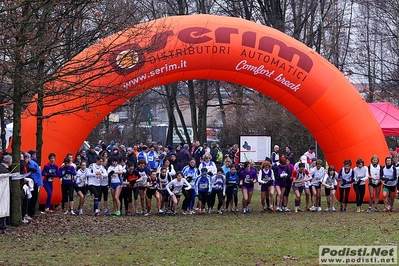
[{"x": 256, "y": 148}]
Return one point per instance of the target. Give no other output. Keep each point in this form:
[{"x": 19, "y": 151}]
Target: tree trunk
[
  {"x": 16, "y": 212},
  {"x": 2, "y": 126},
  {"x": 39, "y": 127},
  {"x": 202, "y": 112},
  {"x": 169, "y": 109},
  {"x": 193, "y": 108}
]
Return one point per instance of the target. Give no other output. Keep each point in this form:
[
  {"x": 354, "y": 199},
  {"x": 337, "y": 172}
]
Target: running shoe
[
  {"x": 106, "y": 212},
  {"x": 327, "y": 210},
  {"x": 97, "y": 213},
  {"x": 147, "y": 214},
  {"x": 220, "y": 212},
  {"x": 263, "y": 209},
  {"x": 286, "y": 209},
  {"x": 313, "y": 208},
  {"x": 199, "y": 211},
  {"x": 333, "y": 209},
  {"x": 25, "y": 220},
  {"x": 358, "y": 209},
  {"x": 160, "y": 211},
  {"x": 341, "y": 209},
  {"x": 237, "y": 210},
  {"x": 344, "y": 209},
  {"x": 271, "y": 208},
  {"x": 318, "y": 209},
  {"x": 233, "y": 210},
  {"x": 368, "y": 209},
  {"x": 117, "y": 213},
  {"x": 244, "y": 211},
  {"x": 296, "y": 209},
  {"x": 72, "y": 212},
  {"x": 307, "y": 208},
  {"x": 278, "y": 209},
  {"x": 210, "y": 210},
  {"x": 67, "y": 212}
]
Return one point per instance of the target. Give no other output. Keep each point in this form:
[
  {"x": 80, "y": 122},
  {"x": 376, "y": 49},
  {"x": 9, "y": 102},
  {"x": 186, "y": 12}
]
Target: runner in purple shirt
[
  {"x": 281, "y": 173},
  {"x": 248, "y": 177}
]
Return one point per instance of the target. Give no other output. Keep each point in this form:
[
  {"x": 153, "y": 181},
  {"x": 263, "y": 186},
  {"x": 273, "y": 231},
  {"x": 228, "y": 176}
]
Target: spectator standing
[
  {"x": 185, "y": 156},
  {"x": 131, "y": 156},
  {"x": 83, "y": 155},
  {"x": 4, "y": 169},
  {"x": 275, "y": 155},
  {"x": 289, "y": 154},
  {"x": 198, "y": 152},
  {"x": 310, "y": 154},
  {"x": 91, "y": 155}
]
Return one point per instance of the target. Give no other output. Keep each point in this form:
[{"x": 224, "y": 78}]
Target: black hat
[{"x": 31, "y": 152}]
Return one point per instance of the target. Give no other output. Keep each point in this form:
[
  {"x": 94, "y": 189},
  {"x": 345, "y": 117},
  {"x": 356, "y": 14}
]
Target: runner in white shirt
[
  {"x": 346, "y": 177},
  {"x": 330, "y": 187},
  {"x": 317, "y": 174},
  {"x": 299, "y": 178},
  {"x": 306, "y": 189},
  {"x": 178, "y": 184},
  {"x": 360, "y": 175},
  {"x": 390, "y": 179},
  {"x": 208, "y": 164},
  {"x": 80, "y": 185},
  {"x": 115, "y": 172},
  {"x": 374, "y": 183},
  {"x": 96, "y": 173}
]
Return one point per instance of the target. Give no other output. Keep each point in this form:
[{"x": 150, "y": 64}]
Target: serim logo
[{"x": 127, "y": 59}]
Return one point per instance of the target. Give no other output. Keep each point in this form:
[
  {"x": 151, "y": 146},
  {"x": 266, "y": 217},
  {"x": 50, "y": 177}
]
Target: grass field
[{"x": 212, "y": 239}]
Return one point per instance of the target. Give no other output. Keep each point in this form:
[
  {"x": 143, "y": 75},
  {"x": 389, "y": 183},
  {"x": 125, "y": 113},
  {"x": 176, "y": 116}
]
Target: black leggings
[
  {"x": 96, "y": 191},
  {"x": 67, "y": 192},
  {"x": 104, "y": 193},
  {"x": 231, "y": 193},
  {"x": 360, "y": 190},
  {"x": 287, "y": 189},
  {"x": 203, "y": 197},
  {"x": 343, "y": 191},
  {"x": 187, "y": 198},
  {"x": 32, "y": 201},
  {"x": 212, "y": 198},
  {"x": 125, "y": 197}
]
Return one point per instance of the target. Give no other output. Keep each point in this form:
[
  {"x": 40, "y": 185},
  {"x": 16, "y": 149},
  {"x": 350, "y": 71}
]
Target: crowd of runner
[{"x": 200, "y": 177}]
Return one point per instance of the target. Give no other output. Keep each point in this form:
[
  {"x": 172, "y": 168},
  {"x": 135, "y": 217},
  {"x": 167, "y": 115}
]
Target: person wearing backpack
[{"x": 217, "y": 155}]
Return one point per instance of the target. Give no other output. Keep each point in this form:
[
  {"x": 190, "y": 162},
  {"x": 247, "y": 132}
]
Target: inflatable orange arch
[{"x": 214, "y": 48}]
